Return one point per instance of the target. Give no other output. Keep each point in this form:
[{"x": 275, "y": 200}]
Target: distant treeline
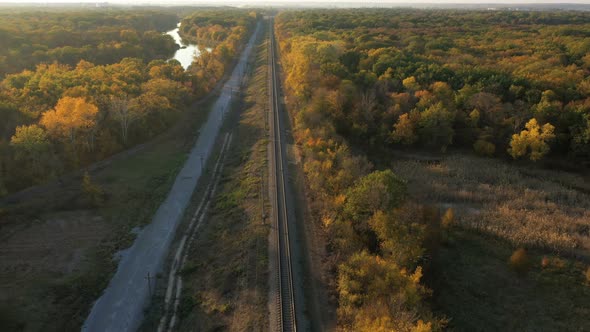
[{"x": 101, "y": 37}]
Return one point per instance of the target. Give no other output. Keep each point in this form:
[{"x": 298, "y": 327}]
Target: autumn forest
[
  {"x": 380, "y": 97},
  {"x": 437, "y": 167}
]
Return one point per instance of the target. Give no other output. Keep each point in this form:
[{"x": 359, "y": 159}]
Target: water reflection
[{"x": 187, "y": 52}]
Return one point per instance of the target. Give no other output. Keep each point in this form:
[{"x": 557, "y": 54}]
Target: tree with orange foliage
[{"x": 70, "y": 118}]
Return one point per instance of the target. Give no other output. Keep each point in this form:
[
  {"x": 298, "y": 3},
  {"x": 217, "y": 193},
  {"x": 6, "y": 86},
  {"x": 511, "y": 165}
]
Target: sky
[{"x": 302, "y": 1}]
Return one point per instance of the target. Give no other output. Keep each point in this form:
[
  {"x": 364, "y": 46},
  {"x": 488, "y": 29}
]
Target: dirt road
[{"x": 120, "y": 308}]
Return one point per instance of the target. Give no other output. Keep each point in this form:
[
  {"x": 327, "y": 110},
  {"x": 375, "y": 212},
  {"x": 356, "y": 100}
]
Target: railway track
[{"x": 285, "y": 295}]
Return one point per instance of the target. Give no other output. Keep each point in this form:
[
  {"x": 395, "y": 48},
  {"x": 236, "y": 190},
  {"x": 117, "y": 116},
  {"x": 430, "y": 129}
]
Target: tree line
[
  {"x": 68, "y": 36},
  {"x": 377, "y": 239}
]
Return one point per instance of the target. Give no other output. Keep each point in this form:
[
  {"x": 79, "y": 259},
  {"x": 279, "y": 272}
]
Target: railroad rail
[{"x": 285, "y": 295}]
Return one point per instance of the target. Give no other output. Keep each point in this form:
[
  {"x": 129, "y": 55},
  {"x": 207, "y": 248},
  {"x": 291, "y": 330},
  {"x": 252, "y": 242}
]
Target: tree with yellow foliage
[
  {"x": 404, "y": 130},
  {"x": 411, "y": 84},
  {"x": 377, "y": 295},
  {"x": 532, "y": 141},
  {"x": 69, "y": 117}
]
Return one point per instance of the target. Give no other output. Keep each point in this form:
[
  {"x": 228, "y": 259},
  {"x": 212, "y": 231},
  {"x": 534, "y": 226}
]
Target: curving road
[{"x": 121, "y": 306}]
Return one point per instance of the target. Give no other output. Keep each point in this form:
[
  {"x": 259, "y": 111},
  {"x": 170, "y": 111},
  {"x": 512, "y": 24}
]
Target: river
[{"x": 187, "y": 52}]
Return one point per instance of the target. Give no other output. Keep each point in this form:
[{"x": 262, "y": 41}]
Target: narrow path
[
  {"x": 174, "y": 285},
  {"x": 121, "y": 306}
]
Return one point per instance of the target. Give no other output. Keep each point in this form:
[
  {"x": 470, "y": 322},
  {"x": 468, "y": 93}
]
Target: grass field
[
  {"x": 500, "y": 207},
  {"x": 524, "y": 205},
  {"x": 474, "y": 286},
  {"x": 57, "y": 249}
]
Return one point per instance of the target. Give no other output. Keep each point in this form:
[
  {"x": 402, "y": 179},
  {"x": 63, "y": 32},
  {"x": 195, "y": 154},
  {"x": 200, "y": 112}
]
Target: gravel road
[{"x": 121, "y": 306}]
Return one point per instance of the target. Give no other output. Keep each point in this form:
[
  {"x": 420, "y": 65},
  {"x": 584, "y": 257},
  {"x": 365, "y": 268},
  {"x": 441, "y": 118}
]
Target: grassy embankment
[
  {"x": 57, "y": 248},
  {"x": 500, "y": 207},
  {"x": 225, "y": 276}
]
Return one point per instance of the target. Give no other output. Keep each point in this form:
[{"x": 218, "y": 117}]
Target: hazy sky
[{"x": 301, "y": 1}]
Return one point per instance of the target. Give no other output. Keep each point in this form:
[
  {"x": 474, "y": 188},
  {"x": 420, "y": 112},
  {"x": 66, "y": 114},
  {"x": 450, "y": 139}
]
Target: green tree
[
  {"x": 436, "y": 126},
  {"x": 399, "y": 241},
  {"x": 33, "y": 153},
  {"x": 548, "y": 108},
  {"x": 377, "y": 191}
]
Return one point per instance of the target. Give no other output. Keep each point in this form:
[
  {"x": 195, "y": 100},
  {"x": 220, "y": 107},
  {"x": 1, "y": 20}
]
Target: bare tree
[
  {"x": 367, "y": 104},
  {"x": 124, "y": 114}
]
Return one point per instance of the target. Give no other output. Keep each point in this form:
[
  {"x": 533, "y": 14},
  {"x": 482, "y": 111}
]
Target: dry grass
[
  {"x": 527, "y": 207},
  {"x": 478, "y": 291},
  {"x": 499, "y": 207}
]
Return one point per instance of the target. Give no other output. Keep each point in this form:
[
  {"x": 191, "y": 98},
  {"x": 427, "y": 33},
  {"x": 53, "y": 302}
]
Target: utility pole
[
  {"x": 262, "y": 194},
  {"x": 149, "y": 281},
  {"x": 200, "y": 162}
]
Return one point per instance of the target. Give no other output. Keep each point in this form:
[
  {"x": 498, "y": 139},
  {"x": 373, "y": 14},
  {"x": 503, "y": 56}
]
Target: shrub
[
  {"x": 545, "y": 262},
  {"x": 448, "y": 219},
  {"x": 519, "y": 261},
  {"x": 484, "y": 148},
  {"x": 92, "y": 191}
]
